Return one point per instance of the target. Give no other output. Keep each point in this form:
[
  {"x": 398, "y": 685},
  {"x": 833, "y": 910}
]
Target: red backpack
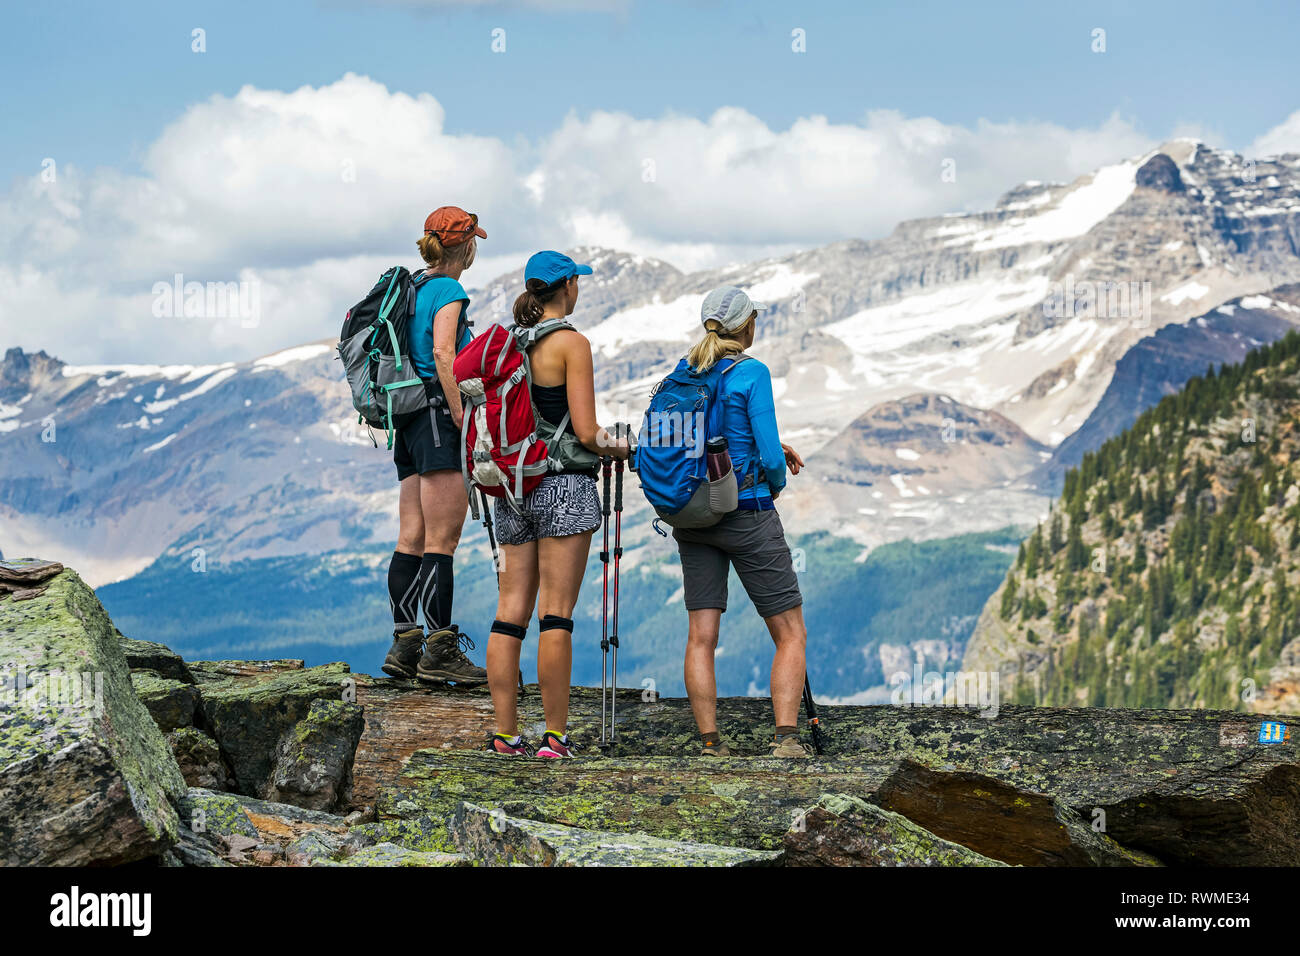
[{"x": 507, "y": 444}]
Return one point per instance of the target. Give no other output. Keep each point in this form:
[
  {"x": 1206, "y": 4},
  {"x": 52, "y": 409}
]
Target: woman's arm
[
  {"x": 580, "y": 387},
  {"x": 445, "y": 324},
  {"x": 761, "y": 406}
]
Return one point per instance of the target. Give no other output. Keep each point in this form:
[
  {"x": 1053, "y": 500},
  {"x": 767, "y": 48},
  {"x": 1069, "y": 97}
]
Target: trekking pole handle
[{"x": 605, "y": 466}]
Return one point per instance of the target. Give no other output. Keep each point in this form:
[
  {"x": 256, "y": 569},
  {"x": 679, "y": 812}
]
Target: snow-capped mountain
[{"x": 1017, "y": 317}]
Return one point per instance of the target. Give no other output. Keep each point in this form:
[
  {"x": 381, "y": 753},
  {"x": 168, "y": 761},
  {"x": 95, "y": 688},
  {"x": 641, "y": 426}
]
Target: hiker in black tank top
[{"x": 544, "y": 546}]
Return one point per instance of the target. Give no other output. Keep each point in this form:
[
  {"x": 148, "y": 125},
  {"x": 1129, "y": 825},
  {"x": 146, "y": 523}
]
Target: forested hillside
[{"x": 1169, "y": 572}]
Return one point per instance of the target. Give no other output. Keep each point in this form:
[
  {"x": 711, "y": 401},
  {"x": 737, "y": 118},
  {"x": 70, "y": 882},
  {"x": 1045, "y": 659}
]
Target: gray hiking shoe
[
  {"x": 790, "y": 747},
  {"x": 405, "y": 653},
  {"x": 444, "y": 660},
  {"x": 720, "y": 749}
]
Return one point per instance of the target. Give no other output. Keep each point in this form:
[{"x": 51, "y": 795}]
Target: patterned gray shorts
[{"x": 561, "y": 505}]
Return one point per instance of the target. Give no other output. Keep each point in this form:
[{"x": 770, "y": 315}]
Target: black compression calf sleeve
[
  {"x": 404, "y": 590},
  {"x": 436, "y": 591}
]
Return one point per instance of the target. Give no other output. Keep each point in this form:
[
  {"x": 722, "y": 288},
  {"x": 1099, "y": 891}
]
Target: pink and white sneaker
[
  {"x": 554, "y": 745},
  {"x": 514, "y": 746}
]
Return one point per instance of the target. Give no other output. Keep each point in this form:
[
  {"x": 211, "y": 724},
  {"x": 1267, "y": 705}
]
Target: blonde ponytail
[{"x": 716, "y": 345}]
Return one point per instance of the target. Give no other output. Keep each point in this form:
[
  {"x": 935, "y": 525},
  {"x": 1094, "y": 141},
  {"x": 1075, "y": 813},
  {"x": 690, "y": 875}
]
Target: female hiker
[
  {"x": 426, "y": 451},
  {"x": 750, "y": 539},
  {"x": 544, "y": 549}
]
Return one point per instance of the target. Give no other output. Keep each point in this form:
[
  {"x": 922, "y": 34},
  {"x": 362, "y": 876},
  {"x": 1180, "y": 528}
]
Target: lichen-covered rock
[
  {"x": 148, "y": 656},
  {"x": 199, "y": 759},
  {"x": 170, "y": 702},
  {"x": 250, "y": 831},
  {"x": 193, "y": 850},
  {"x": 843, "y": 830},
  {"x": 248, "y": 709},
  {"x": 997, "y": 819},
  {"x": 390, "y": 854},
  {"x": 313, "y": 846},
  {"x": 492, "y": 838},
  {"x": 313, "y": 762},
  {"x": 1178, "y": 787},
  {"x": 730, "y": 802},
  {"x": 85, "y": 776}
]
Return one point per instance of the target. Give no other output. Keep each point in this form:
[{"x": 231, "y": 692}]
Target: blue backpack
[{"x": 684, "y": 413}]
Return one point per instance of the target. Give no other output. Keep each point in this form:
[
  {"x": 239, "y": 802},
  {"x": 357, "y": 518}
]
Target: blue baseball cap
[{"x": 551, "y": 267}]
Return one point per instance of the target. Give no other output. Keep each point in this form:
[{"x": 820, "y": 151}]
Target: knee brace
[
  {"x": 553, "y": 623},
  {"x": 509, "y": 630}
]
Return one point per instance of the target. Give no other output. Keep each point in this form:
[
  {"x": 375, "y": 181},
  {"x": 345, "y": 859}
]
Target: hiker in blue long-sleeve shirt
[{"x": 751, "y": 538}]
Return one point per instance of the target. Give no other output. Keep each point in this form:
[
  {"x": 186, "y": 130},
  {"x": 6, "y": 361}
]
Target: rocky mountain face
[
  {"x": 1020, "y": 316},
  {"x": 922, "y": 460},
  {"x": 277, "y": 764},
  {"x": 1167, "y": 573}
]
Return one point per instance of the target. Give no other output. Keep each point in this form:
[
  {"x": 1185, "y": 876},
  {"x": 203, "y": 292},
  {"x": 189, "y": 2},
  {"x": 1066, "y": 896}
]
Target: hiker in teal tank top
[{"x": 426, "y": 451}]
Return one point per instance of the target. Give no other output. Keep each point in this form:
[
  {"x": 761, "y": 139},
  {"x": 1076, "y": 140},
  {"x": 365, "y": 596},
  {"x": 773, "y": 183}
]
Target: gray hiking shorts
[{"x": 751, "y": 541}]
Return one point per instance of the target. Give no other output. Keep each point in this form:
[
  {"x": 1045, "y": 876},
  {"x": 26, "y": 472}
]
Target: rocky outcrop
[
  {"x": 171, "y": 703},
  {"x": 896, "y": 786},
  {"x": 313, "y": 763},
  {"x": 26, "y": 578},
  {"x": 199, "y": 759},
  {"x": 1160, "y": 172},
  {"x": 495, "y": 839},
  {"x": 842, "y": 830},
  {"x": 248, "y": 707},
  {"x": 85, "y": 775}
]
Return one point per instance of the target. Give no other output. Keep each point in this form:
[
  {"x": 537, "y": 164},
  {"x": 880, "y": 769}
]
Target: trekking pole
[
  {"x": 814, "y": 722},
  {"x": 618, "y": 553},
  {"x": 496, "y": 560},
  {"x": 605, "y": 467}
]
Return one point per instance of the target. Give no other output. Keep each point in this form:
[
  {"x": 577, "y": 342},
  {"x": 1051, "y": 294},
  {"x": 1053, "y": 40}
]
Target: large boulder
[
  {"x": 494, "y": 839},
  {"x": 249, "y": 706},
  {"x": 313, "y": 762},
  {"x": 843, "y": 830},
  {"x": 159, "y": 658},
  {"x": 200, "y": 759},
  {"x": 170, "y": 702},
  {"x": 85, "y": 775}
]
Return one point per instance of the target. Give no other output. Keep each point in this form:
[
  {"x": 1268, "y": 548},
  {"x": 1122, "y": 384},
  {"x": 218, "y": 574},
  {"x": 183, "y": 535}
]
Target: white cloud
[
  {"x": 1282, "y": 138},
  {"x": 256, "y": 186}
]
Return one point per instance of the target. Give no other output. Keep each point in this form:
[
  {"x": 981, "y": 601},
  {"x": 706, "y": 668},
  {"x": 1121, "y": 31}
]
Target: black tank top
[{"x": 553, "y": 403}]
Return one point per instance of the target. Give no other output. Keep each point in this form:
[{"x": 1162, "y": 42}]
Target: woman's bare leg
[
  {"x": 701, "y": 685},
  {"x": 562, "y": 562},
  {"x": 443, "y": 505},
  {"x": 517, "y": 588},
  {"x": 791, "y": 637},
  {"x": 410, "y": 517}
]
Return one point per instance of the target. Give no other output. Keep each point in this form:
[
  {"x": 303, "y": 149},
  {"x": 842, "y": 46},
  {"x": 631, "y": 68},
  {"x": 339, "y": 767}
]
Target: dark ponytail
[{"x": 532, "y": 303}]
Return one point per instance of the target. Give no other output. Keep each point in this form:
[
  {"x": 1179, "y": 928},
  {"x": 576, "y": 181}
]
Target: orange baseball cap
[{"x": 453, "y": 225}]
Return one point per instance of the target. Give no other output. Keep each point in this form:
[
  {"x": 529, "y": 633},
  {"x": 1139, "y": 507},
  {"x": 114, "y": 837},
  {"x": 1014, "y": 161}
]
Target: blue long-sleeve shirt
[{"x": 749, "y": 425}]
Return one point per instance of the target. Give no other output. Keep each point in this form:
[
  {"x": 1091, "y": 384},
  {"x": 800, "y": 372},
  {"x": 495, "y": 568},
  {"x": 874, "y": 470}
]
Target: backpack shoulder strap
[
  {"x": 741, "y": 357},
  {"x": 529, "y": 336}
]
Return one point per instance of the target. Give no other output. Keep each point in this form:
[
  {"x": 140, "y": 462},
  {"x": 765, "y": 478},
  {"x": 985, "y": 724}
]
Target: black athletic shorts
[{"x": 429, "y": 442}]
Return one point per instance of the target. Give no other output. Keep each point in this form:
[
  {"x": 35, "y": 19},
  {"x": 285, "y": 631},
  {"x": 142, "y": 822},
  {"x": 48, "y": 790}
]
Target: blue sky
[
  {"x": 302, "y": 150},
  {"x": 96, "y": 81}
]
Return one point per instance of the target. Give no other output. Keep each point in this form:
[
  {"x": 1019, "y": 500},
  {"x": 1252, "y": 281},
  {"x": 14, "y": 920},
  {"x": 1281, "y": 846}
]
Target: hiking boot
[
  {"x": 444, "y": 660},
  {"x": 789, "y": 746},
  {"x": 405, "y": 653},
  {"x": 554, "y": 745},
  {"x": 719, "y": 749},
  {"x": 514, "y": 746}
]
